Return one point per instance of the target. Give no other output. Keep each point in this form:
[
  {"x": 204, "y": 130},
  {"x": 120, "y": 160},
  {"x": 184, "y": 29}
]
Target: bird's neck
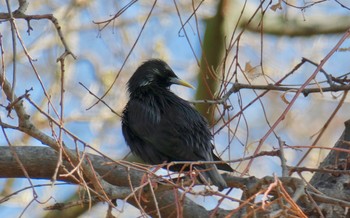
[{"x": 150, "y": 91}]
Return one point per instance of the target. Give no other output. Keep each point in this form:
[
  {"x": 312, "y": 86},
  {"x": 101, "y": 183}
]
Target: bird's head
[{"x": 154, "y": 73}]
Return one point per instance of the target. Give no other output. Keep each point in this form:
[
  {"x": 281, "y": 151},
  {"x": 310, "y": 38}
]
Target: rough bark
[
  {"x": 335, "y": 185},
  {"x": 40, "y": 163}
]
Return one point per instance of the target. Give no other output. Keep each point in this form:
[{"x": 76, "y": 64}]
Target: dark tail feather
[
  {"x": 222, "y": 166},
  {"x": 213, "y": 176}
]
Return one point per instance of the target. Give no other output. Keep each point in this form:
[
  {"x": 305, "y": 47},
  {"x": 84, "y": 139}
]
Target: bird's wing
[
  {"x": 178, "y": 131},
  {"x": 142, "y": 118},
  {"x": 222, "y": 166},
  {"x": 182, "y": 133}
]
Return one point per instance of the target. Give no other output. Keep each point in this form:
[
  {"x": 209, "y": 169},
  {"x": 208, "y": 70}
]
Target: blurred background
[{"x": 210, "y": 44}]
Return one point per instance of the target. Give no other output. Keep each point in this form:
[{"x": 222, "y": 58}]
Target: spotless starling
[{"x": 161, "y": 127}]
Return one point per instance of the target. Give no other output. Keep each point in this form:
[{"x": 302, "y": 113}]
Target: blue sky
[{"x": 101, "y": 54}]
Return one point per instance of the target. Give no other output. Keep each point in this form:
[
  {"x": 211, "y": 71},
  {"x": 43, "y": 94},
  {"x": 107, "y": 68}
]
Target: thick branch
[
  {"x": 34, "y": 158},
  {"x": 334, "y": 185},
  {"x": 238, "y": 86},
  {"x": 315, "y": 25}
]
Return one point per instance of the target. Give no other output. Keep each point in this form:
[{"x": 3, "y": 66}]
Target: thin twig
[
  {"x": 14, "y": 50},
  {"x": 284, "y": 113},
  {"x": 341, "y": 102},
  {"x": 282, "y": 157},
  {"x": 100, "y": 99},
  {"x": 127, "y": 56}
]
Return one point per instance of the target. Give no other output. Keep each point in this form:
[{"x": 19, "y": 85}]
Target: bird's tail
[{"x": 212, "y": 174}]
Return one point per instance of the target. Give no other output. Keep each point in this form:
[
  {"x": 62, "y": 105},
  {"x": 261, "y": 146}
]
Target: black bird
[{"x": 161, "y": 127}]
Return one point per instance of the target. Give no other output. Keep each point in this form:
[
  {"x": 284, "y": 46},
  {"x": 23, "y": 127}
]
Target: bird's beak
[{"x": 181, "y": 82}]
